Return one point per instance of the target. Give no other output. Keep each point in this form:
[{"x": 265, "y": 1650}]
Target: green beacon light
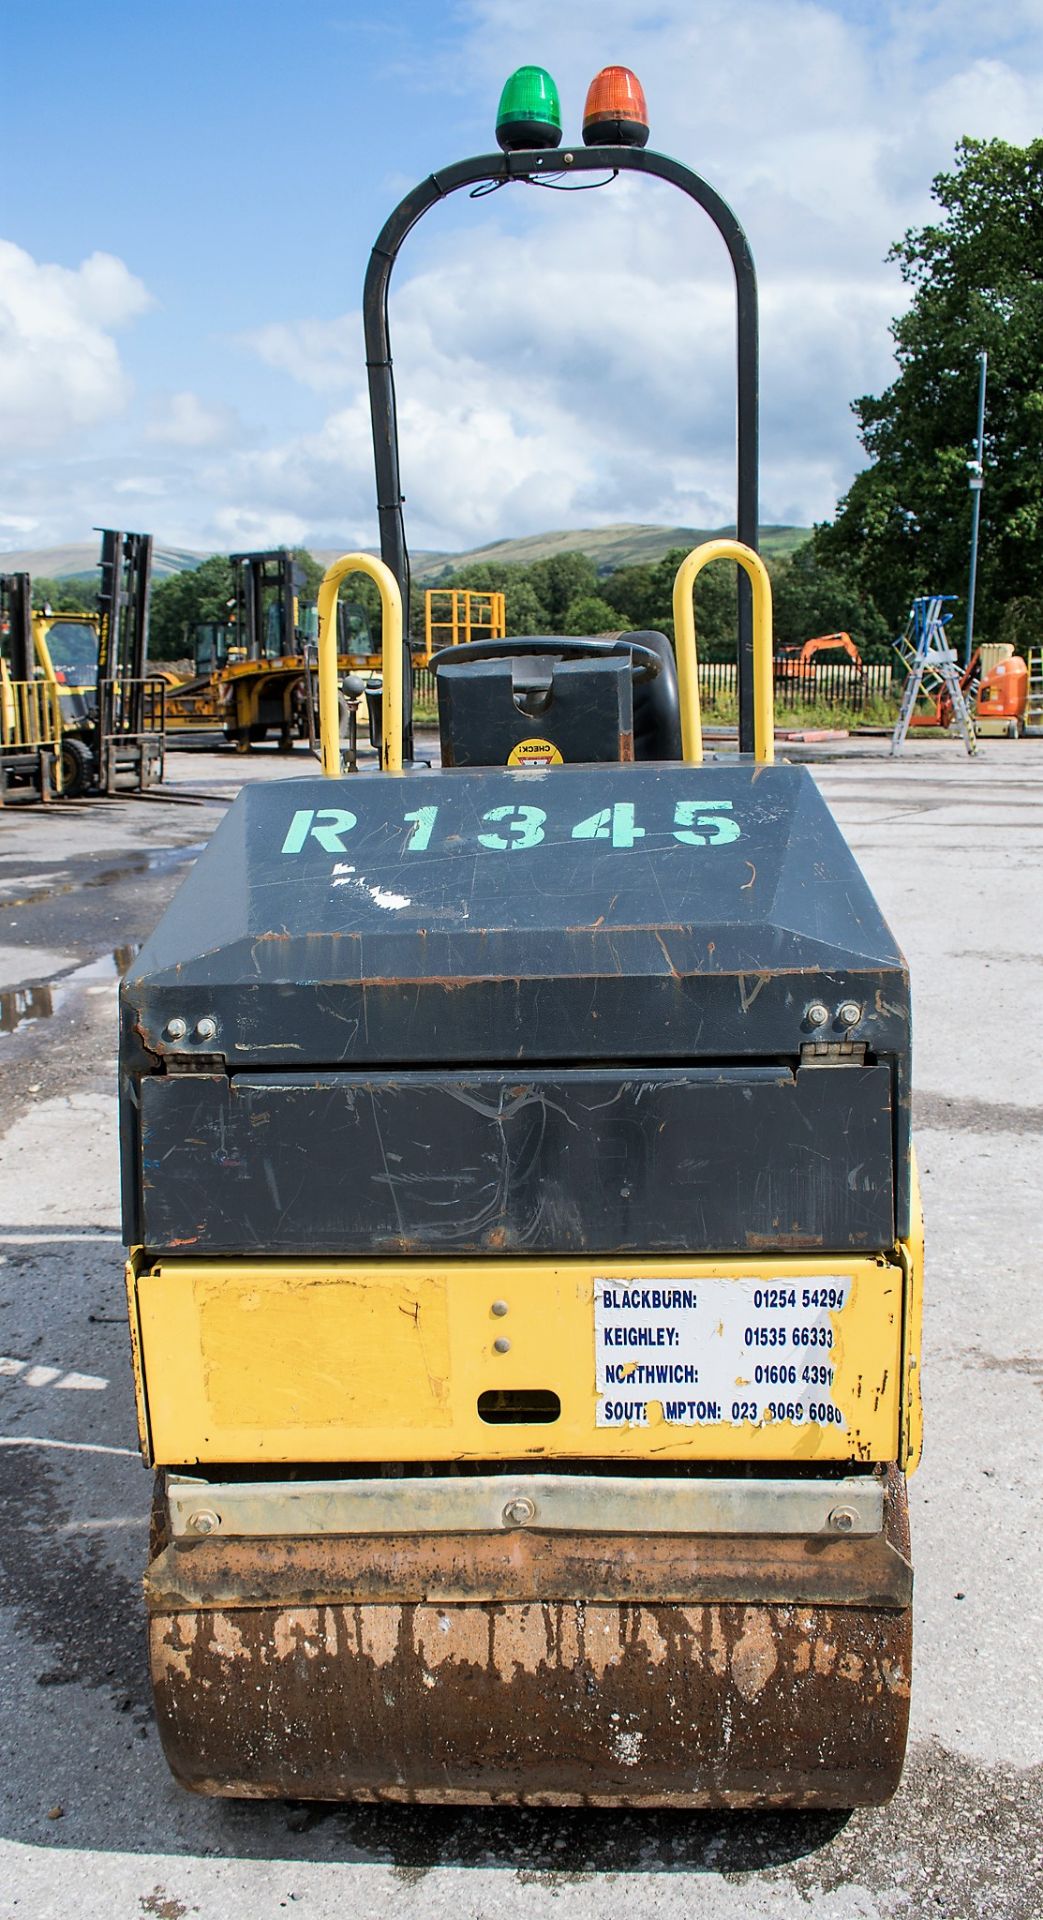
[{"x": 530, "y": 111}]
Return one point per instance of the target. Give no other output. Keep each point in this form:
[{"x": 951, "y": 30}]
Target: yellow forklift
[
  {"x": 30, "y": 710},
  {"x": 254, "y": 672},
  {"x": 558, "y": 1455},
  {"x": 110, "y": 731},
  {"x": 249, "y": 670}
]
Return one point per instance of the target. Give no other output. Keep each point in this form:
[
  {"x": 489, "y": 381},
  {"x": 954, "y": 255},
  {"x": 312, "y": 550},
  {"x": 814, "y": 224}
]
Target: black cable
[{"x": 559, "y": 184}]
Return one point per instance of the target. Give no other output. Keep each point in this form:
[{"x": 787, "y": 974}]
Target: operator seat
[
  {"x": 657, "y": 708},
  {"x": 537, "y": 699}
]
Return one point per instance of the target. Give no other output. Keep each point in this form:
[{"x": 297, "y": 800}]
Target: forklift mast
[
  {"x": 16, "y": 623},
  {"x": 126, "y": 732},
  {"x": 123, "y": 601},
  {"x": 267, "y": 589}
]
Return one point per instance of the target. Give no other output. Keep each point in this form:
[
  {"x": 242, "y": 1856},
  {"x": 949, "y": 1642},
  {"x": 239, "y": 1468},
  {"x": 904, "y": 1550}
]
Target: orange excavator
[{"x": 796, "y": 663}]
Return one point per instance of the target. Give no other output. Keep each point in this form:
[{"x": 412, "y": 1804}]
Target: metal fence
[{"x": 834, "y": 683}]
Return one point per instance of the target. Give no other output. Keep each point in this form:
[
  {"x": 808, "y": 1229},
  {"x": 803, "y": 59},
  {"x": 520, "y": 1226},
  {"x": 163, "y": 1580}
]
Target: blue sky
[{"x": 189, "y": 193}]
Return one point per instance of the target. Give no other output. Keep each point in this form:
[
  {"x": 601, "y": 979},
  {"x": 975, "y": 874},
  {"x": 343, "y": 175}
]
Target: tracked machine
[{"x": 526, "y": 1251}]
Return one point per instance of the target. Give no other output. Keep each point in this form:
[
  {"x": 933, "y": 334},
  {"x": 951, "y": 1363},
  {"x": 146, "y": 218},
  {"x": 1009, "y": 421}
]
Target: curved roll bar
[
  {"x": 391, "y": 643},
  {"x": 536, "y": 166},
  {"x": 687, "y": 663}
]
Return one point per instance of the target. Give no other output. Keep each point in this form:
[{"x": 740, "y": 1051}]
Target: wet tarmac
[{"x": 90, "y": 1820}]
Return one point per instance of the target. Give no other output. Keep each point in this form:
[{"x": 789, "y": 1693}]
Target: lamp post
[{"x": 975, "y": 482}]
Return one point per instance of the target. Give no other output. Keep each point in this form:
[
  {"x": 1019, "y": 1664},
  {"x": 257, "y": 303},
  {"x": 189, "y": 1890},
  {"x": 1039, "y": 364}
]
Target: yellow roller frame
[
  {"x": 391, "y": 660},
  {"x": 687, "y": 661},
  {"x": 295, "y": 1361}
]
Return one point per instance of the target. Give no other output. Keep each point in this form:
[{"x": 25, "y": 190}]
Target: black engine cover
[{"x": 519, "y": 1011}]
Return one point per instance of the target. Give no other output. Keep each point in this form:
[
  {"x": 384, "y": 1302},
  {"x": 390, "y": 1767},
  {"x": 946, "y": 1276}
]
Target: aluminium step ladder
[
  {"x": 932, "y": 667},
  {"x": 1033, "y": 724}
]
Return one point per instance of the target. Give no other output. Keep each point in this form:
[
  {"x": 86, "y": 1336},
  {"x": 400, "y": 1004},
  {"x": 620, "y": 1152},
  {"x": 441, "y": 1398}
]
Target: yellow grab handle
[
  {"x": 391, "y": 661},
  {"x": 687, "y": 662}
]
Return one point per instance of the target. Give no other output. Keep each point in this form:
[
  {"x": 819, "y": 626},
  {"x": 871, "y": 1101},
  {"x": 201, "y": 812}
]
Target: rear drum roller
[{"x": 276, "y": 1674}]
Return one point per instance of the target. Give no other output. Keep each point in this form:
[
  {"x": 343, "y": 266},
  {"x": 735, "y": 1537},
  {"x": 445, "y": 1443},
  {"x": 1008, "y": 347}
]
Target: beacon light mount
[{"x": 535, "y": 165}]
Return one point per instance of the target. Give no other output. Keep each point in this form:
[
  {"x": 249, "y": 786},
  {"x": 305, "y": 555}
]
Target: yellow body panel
[
  {"x": 311, "y": 1361},
  {"x": 912, "y": 1256}
]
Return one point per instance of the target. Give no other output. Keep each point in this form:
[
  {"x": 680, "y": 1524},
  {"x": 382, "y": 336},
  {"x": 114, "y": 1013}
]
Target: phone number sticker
[{"x": 717, "y": 1352}]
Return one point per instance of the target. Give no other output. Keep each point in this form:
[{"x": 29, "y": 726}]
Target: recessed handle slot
[{"x": 518, "y": 1406}]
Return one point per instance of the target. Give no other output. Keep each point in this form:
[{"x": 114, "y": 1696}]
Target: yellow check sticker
[{"x": 535, "y": 753}]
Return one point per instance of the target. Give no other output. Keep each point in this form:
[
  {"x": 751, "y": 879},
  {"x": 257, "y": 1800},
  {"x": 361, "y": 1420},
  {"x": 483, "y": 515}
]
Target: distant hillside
[
  {"x": 608, "y": 547},
  {"x": 79, "y": 561}
]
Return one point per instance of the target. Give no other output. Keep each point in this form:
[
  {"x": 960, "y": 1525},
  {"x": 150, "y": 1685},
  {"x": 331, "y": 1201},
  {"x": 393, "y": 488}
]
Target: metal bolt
[
  {"x": 205, "y": 1521},
  {"x": 518, "y": 1512},
  {"x": 501, "y": 1345},
  {"x": 849, "y": 1013},
  {"x": 177, "y": 1029},
  {"x": 817, "y": 1014},
  {"x": 843, "y": 1519},
  {"x": 206, "y": 1028},
  {"x": 499, "y": 1308}
]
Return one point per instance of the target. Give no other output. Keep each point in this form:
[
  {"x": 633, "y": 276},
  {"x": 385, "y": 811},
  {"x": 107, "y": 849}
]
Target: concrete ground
[{"x": 89, "y": 1819}]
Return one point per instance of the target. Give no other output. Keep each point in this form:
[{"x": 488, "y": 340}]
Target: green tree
[
  {"x": 588, "y": 613},
  {"x": 65, "y": 596},
  {"x": 313, "y": 575},
  {"x": 181, "y": 601},
  {"x": 524, "y": 610},
  {"x": 559, "y": 581},
  {"x": 641, "y": 595},
  {"x": 977, "y": 281},
  {"x": 810, "y": 596}
]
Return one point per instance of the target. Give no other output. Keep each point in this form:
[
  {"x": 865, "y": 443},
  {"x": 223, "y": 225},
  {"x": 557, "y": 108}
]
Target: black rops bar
[{"x": 527, "y": 166}]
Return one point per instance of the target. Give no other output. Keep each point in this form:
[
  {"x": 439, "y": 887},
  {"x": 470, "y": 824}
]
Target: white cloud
[
  {"x": 186, "y": 421},
  {"x": 560, "y": 362},
  {"x": 321, "y": 354},
  {"x": 141, "y": 486},
  {"x": 245, "y": 529},
  {"x": 60, "y": 370},
  {"x": 564, "y": 364},
  {"x": 569, "y": 377}
]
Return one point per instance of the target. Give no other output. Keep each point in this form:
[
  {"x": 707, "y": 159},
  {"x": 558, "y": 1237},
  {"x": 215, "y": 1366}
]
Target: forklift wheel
[{"x": 77, "y": 768}]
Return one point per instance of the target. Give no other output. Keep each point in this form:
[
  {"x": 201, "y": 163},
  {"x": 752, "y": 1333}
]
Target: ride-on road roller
[{"x": 526, "y": 1250}]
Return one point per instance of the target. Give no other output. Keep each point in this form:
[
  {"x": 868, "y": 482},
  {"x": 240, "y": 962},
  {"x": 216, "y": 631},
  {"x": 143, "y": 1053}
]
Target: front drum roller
[{"x": 278, "y": 1672}]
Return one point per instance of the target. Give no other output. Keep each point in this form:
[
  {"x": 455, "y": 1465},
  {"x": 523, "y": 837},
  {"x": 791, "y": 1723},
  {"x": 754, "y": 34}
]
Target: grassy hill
[
  {"x": 79, "y": 561},
  {"x": 624, "y": 545}
]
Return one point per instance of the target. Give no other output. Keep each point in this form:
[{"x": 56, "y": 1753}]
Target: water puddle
[
  {"x": 19, "y": 1005},
  {"x": 163, "y": 860}
]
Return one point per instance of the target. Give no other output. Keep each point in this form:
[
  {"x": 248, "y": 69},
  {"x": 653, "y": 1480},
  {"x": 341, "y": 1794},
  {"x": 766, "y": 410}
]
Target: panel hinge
[{"x": 833, "y": 1053}]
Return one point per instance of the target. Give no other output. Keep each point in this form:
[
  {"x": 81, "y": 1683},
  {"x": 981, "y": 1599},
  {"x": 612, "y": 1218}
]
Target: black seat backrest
[{"x": 657, "y": 708}]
